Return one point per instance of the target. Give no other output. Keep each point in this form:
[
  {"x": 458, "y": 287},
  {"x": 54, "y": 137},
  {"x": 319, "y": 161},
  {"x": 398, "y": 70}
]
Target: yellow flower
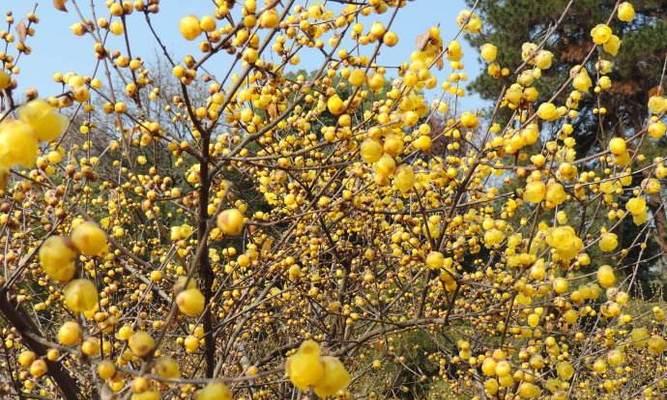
[
  {"x": 528, "y": 390},
  {"x": 493, "y": 237},
  {"x": 535, "y": 192},
  {"x": 617, "y": 146},
  {"x": 371, "y": 150},
  {"x": 469, "y": 120},
  {"x": 636, "y": 205},
  {"x": 80, "y": 295},
  {"x": 606, "y": 276},
  {"x": 57, "y": 259},
  {"x": 613, "y": 45},
  {"x": 555, "y": 194},
  {"x": 189, "y": 27},
  {"x": 657, "y": 104},
  {"x": 543, "y": 59},
  {"x": 565, "y": 241},
  {"x": 214, "y": 391},
  {"x": 657, "y": 129},
  {"x": 47, "y": 123},
  {"x": 626, "y": 12},
  {"x": 335, "y": 105},
  {"x": 191, "y": 302},
  {"x": 488, "y": 52},
  {"x": 582, "y": 81},
  {"x": 608, "y": 242},
  {"x": 335, "y": 379},
  {"x": 601, "y": 33},
  {"x": 18, "y": 145},
  {"x": 305, "y": 368},
  {"x": 560, "y": 285},
  {"x": 231, "y": 222},
  {"x": 404, "y": 179},
  {"x": 141, "y": 343},
  {"x": 5, "y": 80},
  {"x": 89, "y": 239},
  {"x": 548, "y": 112}
]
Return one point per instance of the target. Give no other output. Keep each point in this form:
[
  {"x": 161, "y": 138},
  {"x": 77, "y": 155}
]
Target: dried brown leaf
[
  {"x": 266, "y": 247},
  {"x": 625, "y": 88},
  {"x": 422, "y": 41},
  {"x": 22, "y": 30},
  {"x": 272, "y": 110},
  {"x": 655, "y": 91},
  {"x": 439, "y": 62},
  {"x": 60, "y": 5},
  {"x": 106, "y": 393},
  {"x": 574, "y": 53}
]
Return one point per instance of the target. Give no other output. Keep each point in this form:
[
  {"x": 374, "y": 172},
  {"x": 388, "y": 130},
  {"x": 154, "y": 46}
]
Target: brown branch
[{"x": 67, "y": 385}]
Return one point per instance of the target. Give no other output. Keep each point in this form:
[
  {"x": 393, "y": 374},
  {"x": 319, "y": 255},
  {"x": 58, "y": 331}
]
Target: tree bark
[{"x": 204, "y": 262}]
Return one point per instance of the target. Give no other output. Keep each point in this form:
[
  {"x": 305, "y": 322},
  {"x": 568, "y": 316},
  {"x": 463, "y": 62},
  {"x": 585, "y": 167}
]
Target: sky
[{"x": 56, "y": 49}]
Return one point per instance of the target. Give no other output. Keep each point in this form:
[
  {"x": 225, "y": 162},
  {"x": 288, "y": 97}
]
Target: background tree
[
  {"x": 644, "y": 47},
  {"x": 557, "y": 25}
]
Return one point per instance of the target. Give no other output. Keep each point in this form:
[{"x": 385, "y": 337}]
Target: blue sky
[{"x": 56, "y": 49}]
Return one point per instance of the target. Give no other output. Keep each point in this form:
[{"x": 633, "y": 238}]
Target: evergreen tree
[
  {"x": 508, "y": 24},
  {"x": 644, "y": 47}
]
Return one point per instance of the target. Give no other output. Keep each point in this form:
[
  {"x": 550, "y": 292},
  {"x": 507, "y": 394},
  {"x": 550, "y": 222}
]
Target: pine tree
[
  {"x": 643, "y": 51},
  {"x": 641, "y": 59}
]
